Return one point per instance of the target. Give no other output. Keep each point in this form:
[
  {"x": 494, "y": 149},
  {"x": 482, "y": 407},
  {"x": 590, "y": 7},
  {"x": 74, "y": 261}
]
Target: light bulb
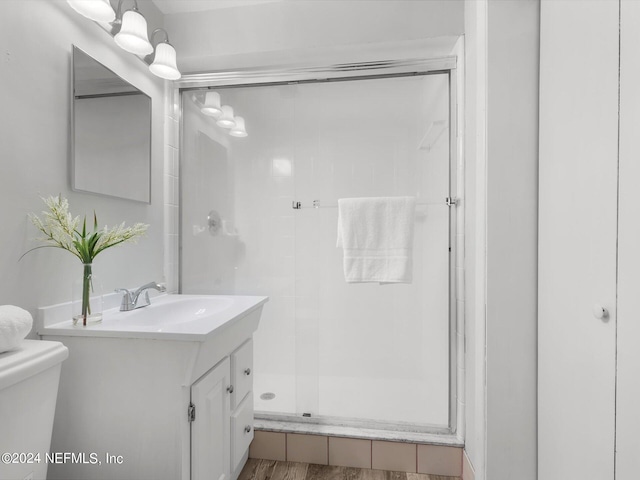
[
  {"x": 226, "y": 120},
  {"x": 164, "y": 62},
  {"x": 239, "y": 129},
  {"x": 132, "y": 36},
  {"x": 211, "y": 105},
  {"x": 96, "y": 10}
]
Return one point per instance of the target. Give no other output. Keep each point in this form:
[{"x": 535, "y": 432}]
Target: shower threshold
[{"x": 362, "y": 429}]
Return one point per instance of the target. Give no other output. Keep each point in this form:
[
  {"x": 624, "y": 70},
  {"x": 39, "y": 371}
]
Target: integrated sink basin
[
  {"x": 167, "y": 311},
  {"x": 169, "y": 317}
]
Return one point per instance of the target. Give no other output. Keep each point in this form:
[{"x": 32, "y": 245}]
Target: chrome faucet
[{"x": 131, "y": 300}]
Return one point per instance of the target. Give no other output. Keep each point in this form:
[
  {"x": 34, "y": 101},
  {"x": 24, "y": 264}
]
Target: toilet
[{"x": 29, "y": 378}]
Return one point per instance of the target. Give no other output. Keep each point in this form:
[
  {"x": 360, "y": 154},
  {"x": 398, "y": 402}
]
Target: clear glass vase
[{"x": 87, "y": 298}]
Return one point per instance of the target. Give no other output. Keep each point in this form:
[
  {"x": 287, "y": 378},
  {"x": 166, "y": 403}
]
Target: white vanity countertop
[{"x": 169, "y": 317}]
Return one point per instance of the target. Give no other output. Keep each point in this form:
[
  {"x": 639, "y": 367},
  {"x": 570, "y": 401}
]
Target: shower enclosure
[{"x": 259, "y": 217}]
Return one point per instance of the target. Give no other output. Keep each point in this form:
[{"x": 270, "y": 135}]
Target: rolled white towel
[{"x": 15, "y": 324}]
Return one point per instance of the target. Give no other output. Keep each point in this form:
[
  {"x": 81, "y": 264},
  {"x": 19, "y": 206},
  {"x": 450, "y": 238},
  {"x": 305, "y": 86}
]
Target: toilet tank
[{"x": 29, "y": 379}]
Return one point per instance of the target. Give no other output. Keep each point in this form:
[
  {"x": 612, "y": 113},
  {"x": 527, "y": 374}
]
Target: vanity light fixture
[
  {"x": 129, "y": 30},
  {"x": 96, "y": 10},
  {"x": 164, "y": 61},
  {"x": 239, "y": 129},
  {"x": 132, "y": 36},
  {"x": 226, "y": 120},
  {"x": 211, "y": 105}
]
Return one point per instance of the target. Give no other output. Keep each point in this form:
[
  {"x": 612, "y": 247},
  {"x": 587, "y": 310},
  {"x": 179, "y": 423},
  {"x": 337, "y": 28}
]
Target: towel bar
[{"x": 449, "y": 202}]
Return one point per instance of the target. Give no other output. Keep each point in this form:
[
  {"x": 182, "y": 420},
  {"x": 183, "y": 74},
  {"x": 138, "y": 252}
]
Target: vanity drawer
[
  {"x": 241, "y": 373},
  {"x": 241, "y": 431}
]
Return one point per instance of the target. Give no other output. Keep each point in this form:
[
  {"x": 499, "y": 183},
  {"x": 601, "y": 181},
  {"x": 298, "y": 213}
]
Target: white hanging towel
[{"x": 376, "y": 235}]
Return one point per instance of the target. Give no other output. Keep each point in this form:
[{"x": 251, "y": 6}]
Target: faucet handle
[
  {"x": 144, "y": 301},
  {"x": 127, "y": 299}
]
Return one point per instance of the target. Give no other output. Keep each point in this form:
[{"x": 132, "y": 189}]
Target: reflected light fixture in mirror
[
  {"x": 239, "y": 129},
  {"x": 96, "y": 10},
  {"x": 226, "y": 120},
  {"x": 132, "y": 36},
  {"x": 164, "y": 60},
  {"x": 211, "y": 105}
]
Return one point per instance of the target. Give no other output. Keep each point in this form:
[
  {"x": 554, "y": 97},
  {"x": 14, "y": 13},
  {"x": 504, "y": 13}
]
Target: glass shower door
[
  {"x": 365, "y": 353},
  {"x": 379, "y": 353}
]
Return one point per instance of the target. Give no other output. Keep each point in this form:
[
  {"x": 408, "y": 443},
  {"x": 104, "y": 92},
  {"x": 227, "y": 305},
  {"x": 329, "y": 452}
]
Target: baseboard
[{"x": 468, "y": 473}]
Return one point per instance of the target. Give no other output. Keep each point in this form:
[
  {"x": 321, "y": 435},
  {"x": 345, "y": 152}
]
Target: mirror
[{"x": 111, "y": 133}]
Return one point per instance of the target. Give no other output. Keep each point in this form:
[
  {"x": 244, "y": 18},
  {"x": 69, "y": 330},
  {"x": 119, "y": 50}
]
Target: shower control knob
[
  {"x": 230, "y": 389},
  {"x": 247, "y": 429},
  {"x": 600, "y": 312},
  {"x": 247, "y": 371}
]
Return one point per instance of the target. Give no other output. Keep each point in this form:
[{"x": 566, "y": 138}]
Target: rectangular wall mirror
[{"x": 111, "y": 133}]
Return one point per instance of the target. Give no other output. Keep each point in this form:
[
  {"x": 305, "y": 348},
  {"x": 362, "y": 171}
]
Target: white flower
[{"x": 62, "y": 230}]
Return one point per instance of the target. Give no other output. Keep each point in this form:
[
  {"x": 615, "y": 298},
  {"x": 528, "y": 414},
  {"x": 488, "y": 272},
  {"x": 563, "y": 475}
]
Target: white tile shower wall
[
  {"x": 171, "y": 188},
  {"x": 209, "y": 256}
]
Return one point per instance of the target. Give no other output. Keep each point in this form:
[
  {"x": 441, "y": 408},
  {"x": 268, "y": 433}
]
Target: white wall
[
  {"x": 475, "y": 209},
  {"x": 502, "y": 47},
  {"x": 36, "y": 39},
  {"x": 512, "y": 195},
  {"x": 303, "y": 31}
]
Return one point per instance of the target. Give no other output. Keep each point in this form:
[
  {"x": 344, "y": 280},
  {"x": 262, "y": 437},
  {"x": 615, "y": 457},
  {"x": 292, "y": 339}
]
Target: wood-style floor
[{"x": 272, "y": 470}]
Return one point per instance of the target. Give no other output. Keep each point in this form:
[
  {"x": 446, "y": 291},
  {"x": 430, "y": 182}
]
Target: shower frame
[{"x": 452, "y": 434}]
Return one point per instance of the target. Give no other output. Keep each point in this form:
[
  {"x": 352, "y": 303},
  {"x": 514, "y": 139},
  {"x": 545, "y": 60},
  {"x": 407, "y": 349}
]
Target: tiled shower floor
[{"x": 271, "y": 470}]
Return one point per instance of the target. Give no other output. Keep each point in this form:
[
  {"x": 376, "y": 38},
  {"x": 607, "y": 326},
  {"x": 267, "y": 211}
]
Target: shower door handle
[{"x": 230, "y": 389}]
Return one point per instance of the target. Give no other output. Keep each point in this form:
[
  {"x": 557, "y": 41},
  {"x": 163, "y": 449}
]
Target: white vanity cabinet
[
  {"x": 221, "y": 415},
  {"x": 172, "y": 403}
]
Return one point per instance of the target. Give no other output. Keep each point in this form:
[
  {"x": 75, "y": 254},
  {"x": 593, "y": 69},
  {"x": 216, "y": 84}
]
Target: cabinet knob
[
  {"x": 600, "y": 312},
  {"x": 247, "y": 371},
  {"x": 247, "y": 429},
  {"x": 230, "y": 389}
]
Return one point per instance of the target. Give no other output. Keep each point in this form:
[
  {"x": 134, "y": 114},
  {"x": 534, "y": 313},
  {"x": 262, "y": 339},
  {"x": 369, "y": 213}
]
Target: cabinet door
[
  {"x": 241, "y": 373},
  {"x": 241, "y": 431},
  {"x": 210, "y": 436},
  {"x": 577, "y": 239},
  {"x": 628, "y": 394}
]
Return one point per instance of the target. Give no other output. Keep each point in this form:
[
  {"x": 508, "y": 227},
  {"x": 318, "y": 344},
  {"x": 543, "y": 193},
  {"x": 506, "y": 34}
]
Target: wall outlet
[{"x": 28, "y": 477}]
